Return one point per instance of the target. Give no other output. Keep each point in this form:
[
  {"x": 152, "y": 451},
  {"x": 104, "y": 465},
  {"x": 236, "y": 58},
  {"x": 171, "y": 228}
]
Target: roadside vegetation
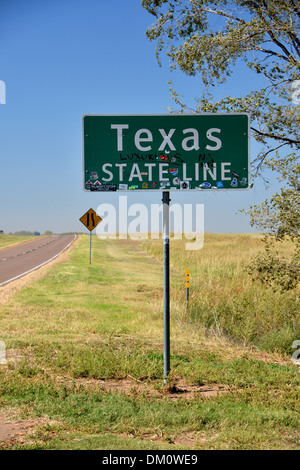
[
  {"x": 84, "y": 348},
  {"x": 229, "y": 302}
]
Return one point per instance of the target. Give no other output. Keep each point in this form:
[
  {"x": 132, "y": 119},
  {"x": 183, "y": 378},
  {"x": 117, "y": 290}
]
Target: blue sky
[{"x": 60, "y": 60}]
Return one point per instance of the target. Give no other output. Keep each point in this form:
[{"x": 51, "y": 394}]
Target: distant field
[
  {"x": 84, "y": 348},
  {"x": 6, "y": 240},
  {"x": 223, "y": 296}
]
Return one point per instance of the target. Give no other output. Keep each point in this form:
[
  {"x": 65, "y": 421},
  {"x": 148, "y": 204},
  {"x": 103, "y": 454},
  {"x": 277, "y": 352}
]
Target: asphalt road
[{"x": 24, "y": 258}]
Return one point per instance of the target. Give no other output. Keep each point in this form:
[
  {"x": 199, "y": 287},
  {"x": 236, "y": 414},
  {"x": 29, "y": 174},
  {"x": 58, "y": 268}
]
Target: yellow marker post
[{"x": 187, "y": 285}]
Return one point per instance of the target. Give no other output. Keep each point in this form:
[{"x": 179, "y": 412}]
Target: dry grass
[{"x": 223, "y": 297}]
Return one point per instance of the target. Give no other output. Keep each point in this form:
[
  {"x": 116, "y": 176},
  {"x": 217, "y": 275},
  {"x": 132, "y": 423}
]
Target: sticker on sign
[{"x": 166, "y": 151}]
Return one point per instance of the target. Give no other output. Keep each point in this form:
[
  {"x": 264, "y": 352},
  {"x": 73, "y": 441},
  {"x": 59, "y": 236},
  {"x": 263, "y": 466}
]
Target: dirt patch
[
  {"x": 131, "y": 386},
  {"x": 181, "y": 389},
  {"x": 13, "y": 429}
]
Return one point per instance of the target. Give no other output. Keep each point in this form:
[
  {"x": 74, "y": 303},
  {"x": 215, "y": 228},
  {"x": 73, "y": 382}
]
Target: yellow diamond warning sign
[{"x": 90, "y": 219}]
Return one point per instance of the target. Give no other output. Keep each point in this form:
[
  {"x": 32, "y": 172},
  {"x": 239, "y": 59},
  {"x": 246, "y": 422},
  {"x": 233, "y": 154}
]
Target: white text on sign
[{"x": 144, "y": 136}]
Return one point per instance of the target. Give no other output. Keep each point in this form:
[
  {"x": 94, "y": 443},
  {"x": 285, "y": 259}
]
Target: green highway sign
[{"x": 165, "y": 152}]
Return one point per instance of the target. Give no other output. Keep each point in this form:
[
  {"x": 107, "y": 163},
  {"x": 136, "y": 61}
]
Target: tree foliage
[
  {"x": 279, "y": 219},
  {"x": 209, "y": 37}
]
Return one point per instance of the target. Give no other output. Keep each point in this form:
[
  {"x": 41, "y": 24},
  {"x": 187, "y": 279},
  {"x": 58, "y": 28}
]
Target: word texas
[{"x": 143, "y": 138}]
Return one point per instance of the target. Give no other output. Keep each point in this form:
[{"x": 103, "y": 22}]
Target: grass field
[
  {"x": 84, "y": 347},
  {"x": 223, "y": 297}
]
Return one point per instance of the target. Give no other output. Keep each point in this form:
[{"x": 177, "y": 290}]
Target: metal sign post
[
  {"x": 90, "y": 246},
  {"x": 166, "y": 280}
]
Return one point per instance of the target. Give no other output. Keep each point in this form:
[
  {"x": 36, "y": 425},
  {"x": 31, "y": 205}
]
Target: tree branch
[
  {"x": 223, "y": 13},
  {"x": 295, "y": 8},
  {"x": 280, "y": 45},
  {"x": 275, "y": 137}
]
